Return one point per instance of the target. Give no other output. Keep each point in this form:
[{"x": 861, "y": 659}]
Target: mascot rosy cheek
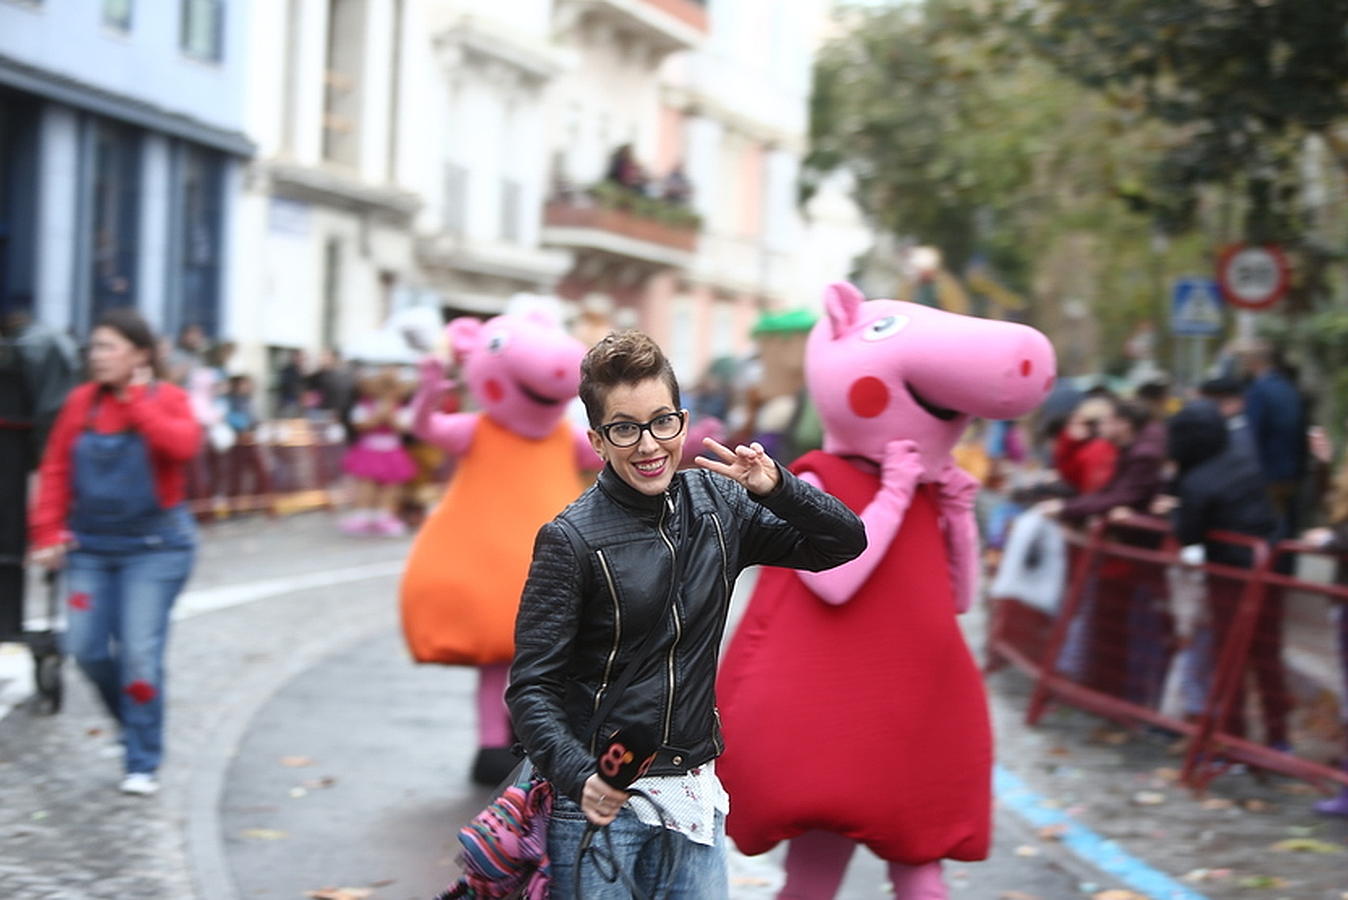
[
  {"x": 518, "y": 464},
  {"x": 854, "y": 712}
]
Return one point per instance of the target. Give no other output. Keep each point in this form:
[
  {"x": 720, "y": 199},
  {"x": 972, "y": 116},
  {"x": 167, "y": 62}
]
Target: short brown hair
[
  {"x": 132, "y": 325},
  {"x": 622, "y": 357}
]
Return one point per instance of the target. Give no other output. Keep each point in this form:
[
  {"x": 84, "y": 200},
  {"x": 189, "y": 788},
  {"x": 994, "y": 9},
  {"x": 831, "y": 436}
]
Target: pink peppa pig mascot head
[
  {"x": 522, "y": 370},
  {"x": 885, "y": 370}
]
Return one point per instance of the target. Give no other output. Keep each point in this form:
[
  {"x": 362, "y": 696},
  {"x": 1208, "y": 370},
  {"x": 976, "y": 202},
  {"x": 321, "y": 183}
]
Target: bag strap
[{"x": 642, "y": 652}]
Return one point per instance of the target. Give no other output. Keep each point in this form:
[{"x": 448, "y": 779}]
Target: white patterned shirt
[{"x": 691, "y": 802}]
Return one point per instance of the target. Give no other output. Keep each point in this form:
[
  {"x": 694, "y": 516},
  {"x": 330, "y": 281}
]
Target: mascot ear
[
  {"x": 543, "y": 317},
  {"x": 843, "y": 302},
  {"x": 462, "y": 335}
]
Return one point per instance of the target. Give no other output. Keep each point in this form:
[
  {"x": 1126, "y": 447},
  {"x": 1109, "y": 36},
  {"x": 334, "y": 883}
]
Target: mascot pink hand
[
  {"x": 958, "y": 491},
  {"x": 451, "y": 432},
  {"x": 586, "y": 458},
  {"x": 899, "y": 474}
]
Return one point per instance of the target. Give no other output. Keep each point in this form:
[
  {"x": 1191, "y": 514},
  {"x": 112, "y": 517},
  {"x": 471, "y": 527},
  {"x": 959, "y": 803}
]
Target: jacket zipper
[
  {"x": 674, "y": 611},
  {"x": 617, "y": 637},
  {"x": 725, "y": 557}
]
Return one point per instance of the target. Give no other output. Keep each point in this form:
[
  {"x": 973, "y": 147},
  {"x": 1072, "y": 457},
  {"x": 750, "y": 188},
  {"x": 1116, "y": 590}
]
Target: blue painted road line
[{"x": 1104, "y": 854}]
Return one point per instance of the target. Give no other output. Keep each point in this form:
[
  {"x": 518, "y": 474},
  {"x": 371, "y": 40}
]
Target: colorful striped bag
[{"x": 505, "y": 847}]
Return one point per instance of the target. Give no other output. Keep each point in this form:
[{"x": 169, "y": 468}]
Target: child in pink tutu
[{"x": 377, "y": 462}]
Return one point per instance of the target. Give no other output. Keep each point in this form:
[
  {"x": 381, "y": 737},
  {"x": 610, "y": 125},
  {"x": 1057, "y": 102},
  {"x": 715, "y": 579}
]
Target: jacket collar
[{"x": 612, "y": 484}]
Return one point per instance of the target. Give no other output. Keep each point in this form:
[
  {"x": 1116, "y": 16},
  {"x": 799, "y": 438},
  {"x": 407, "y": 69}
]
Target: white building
[
  {"x": 475, "y": 150},
  {"x": 326, "y": 237},
  {"x": 121, "y": 152}
]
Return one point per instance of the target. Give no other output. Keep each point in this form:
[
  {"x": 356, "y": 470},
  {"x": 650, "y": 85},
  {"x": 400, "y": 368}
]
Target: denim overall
[{"x": 131, "y": 558}]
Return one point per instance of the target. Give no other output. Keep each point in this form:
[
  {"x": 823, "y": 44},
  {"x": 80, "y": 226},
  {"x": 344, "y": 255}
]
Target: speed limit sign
[{"x": 1253, "y": 276}]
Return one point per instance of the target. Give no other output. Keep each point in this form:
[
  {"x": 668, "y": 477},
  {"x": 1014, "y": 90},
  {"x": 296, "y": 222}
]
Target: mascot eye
[
  {"x": 884, "y": 328},
  {"x": 496, "y": 343}
]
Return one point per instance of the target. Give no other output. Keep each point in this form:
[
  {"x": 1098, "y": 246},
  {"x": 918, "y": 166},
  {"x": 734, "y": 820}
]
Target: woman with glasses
[{"x": 648, "y": 550}]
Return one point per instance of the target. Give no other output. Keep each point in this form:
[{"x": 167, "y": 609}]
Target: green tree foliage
[
  {"x": 960, "y": 138},
  {"x": 1241, "y": 83}
]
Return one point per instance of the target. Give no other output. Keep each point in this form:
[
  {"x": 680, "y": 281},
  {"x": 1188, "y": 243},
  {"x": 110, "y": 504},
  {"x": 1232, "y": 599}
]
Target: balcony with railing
[
  {"x": 666, "y": 25},
  {"x": 614, "y": 220}
]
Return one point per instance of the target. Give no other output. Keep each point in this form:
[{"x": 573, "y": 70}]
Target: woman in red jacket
[{"x": 110, "y": 510}]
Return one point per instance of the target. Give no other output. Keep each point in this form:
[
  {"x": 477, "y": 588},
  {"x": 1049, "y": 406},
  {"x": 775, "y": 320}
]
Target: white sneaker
[{"x": 143, "y": 784}]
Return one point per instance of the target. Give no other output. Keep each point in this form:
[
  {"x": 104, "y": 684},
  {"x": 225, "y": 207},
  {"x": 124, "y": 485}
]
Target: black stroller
[
  {"x": 43, "y": 642},
  {"x": 16, "y": 462}
]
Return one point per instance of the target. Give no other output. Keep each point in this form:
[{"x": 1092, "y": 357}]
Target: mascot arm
[
  {"x": 451, "y": 432},
  {"x": 586, "y": 459},
  {"x": 958, "y": 491},
  {"x": 881, "y": 517}
]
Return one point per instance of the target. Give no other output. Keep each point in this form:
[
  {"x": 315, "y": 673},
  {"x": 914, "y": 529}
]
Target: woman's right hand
[
  {"x": 51, "y": 558},
  {"x": 601, "y": 802}
]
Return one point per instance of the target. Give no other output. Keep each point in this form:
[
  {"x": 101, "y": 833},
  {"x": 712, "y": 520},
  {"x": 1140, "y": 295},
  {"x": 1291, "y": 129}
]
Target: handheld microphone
[{"x": 627, "y": 756}]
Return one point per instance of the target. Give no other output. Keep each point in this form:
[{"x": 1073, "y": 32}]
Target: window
[
  {"x": 342, "y": 96},
  {"x": 332, "y": 292},
  {"x": 456, "y": 199},
  {"x": 18, "y": 198},
  {"x": 117, "y": 14},
  {"x": 199, "y": 197},
  {"x": 114, "y": 218},
  {"x": 202, "y": 28},
  {"x": 511, "y": 196}
]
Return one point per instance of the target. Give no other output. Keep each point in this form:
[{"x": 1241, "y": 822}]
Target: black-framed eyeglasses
[{"x": 663, "y": 427}]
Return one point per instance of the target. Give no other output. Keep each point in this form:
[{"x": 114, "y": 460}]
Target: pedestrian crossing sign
[{"x": 1196, "y": 308}]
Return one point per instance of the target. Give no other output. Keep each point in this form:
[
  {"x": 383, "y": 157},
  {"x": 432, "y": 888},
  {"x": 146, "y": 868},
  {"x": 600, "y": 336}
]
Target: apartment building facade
[{"x": 122, "y": 151}]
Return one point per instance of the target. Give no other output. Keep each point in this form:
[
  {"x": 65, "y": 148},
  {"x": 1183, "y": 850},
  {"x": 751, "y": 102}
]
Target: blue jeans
[
  {"x": 699, "y": 871},
  {"x": 117, "y": 628}
]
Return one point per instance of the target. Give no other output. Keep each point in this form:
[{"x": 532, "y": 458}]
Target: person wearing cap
[{"x": 1227, "y": 393}]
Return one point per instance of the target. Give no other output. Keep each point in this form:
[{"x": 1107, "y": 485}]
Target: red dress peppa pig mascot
[
  {"x": 518, "y": 464},
  {"x": 853, "y": 710}
]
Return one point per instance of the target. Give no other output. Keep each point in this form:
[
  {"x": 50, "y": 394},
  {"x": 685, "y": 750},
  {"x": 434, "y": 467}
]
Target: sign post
[
  {"x": 1253, "y": 278},
  {"x": 1196, "y": 314}
]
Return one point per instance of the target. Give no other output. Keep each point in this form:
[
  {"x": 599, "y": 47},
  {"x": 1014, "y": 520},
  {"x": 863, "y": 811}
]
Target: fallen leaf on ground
[
  {"x": 1119, "y": 895},
  {"x": 264, "y": 834},
  {"x": 94, "y": 732},
  {"x": 1216, "y": 803},
  {"x": 1016, "y": 895},
  {"x": 1027, "y": 851},
  {"x": 1262, "y": 881},
  {"x": 1305, "y": 845},
  {"x": 1165, "y": 773},
  {"x": 383, "y": 882},
  {"x": 1109, "y": 736},
  {"x": 1149, "y": 798},
  {"x": 296, "y": 762},
  {"x": 1255, "y": 806},
  {"x": 1198, "y": 876},
  {"x": 1298, "y": 789},
  {"x": 314, "y": 784},
  {"x": 1052, "y": 832},
  {"x": 1059, "y": 751},
  {"x": 342, "y": 893}
]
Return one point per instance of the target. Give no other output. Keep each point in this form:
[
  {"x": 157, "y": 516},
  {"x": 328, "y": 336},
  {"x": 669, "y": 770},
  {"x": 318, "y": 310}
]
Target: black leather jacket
[{"x": 601, "y": 580}]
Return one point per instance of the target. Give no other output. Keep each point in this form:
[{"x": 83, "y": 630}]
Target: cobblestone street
[{"x": 307, "y": 752}]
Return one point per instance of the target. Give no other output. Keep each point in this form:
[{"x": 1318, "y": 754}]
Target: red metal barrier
[
  {"x": 1238, "y": 601},
  {"x": 284, "y": 466},
  {"x": 1217, "y": 747}
]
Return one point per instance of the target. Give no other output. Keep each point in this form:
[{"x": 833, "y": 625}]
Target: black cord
[{"x": 606, "y": 862}]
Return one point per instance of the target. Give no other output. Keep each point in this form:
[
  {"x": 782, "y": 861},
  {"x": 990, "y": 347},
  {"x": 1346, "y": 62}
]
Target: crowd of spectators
[{"x": 1238, "y": 455}]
